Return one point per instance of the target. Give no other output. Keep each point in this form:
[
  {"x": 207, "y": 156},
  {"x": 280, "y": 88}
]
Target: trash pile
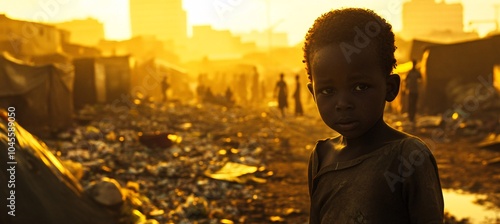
[
  {"x": 449, "y": 126},
  {"x": 204, "y": 163},
  {"x": 175, "y": 163}
]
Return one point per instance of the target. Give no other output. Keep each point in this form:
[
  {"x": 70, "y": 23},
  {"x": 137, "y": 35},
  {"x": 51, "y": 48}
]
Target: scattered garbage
[
  {"x": 236, "y": 172},
  {"x": 491, "y": 142},
  {"x": 205, "y": 163},
  {"x": 173, "y": 163},
  {"x": 156, "y": 140},
  {"x": 106, "y": 192}
]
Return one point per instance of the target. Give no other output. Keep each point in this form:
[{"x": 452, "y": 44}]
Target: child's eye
[
  {"x": 361, "y": 87},
  {"x": 326, "y": 91}
]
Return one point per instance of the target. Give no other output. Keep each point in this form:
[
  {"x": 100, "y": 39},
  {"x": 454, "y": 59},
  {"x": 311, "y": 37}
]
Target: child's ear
[
  {"x": 393, "y": 82},
  {"x": 310, "y": 88}
]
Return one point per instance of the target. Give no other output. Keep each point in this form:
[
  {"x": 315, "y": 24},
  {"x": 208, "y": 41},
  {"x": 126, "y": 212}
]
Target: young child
[{"x": 371, "y": 173}]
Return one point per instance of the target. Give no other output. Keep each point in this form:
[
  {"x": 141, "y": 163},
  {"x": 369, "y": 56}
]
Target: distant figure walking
[
  {"x": 299, "y": 111},
  {"x": 281, "y": 92},
  {"x": 241, "y": 88},
  {"x": 164, "y": 88},
  {"x": 255, "y": 88},
  {"x": 411, "y": 81},
  {"x": 229, "y": 96}
]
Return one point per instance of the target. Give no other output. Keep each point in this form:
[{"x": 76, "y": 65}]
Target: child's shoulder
[
  {"x": 322, "y": 143},
  {"x": 335, "y": 139},
  {"x": 411, "y": 146},
  {"x": 403, "y": 142}
]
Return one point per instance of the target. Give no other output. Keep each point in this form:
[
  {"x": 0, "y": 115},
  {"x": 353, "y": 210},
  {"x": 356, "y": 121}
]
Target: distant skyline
[{"x": 291, "y": 16}]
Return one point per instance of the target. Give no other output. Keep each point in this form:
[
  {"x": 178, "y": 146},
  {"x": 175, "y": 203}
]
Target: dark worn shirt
[{"x": 397, "y": 183}]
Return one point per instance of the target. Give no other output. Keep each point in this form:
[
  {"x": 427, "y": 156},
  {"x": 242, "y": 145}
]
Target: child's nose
[
  {"x": 343, "y": 103},
  {"x": 343, "y": 106}
]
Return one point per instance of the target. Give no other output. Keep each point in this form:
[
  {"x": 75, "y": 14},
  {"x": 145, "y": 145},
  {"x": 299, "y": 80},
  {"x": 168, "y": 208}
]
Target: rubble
[
  {"x": 491, "y": 142},
  {"x": 209, "y": 163},
  {"x": 106, "y": 192},
  {"x": 235, "y": 172},
  {"x": 205, "y": 163},
  {"x": 179, "y": 163}
]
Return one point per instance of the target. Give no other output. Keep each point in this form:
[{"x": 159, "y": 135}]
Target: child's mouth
[{"x": 347, "y": 125}]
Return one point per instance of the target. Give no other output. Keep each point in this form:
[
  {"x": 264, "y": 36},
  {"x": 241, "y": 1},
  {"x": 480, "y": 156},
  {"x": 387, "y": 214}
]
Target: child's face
[{"x": 350, "y": 93}]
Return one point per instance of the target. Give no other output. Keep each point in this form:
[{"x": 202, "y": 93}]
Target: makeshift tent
[
  {"x": 101, "y": 80},
  {"x": 42, "y": 189},
  {"x": 57, "y": 58},
  {"x": 90, "y": 82},
  {"x": 118, "y": 75},
  {"x": 459, "y": 75},
  {"x": 418, "y": 47},
  {"x": 41, "y": 95}
]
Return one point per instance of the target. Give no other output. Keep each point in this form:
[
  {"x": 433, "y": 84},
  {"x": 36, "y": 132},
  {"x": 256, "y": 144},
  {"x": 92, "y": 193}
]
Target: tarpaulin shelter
[
  {"x": 41, "y": 189},
  {"x": 41, "y": 95},
  {"x": 101, "y": 80},
  {"x": 459, "y": 75},
  {"x": 90, "y": 82},
  {"x": 418, "y": 48},
  {"x": 118, "y": 77}
]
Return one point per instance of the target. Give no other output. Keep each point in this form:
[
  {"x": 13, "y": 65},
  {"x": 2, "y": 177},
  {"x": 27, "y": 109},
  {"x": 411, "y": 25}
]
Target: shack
[
  {"x": 459, "y": 76},
  {"x": 90, "y": 82},
  {"x": 102, "y": 80},
  {"x": 41, "y": 95}
]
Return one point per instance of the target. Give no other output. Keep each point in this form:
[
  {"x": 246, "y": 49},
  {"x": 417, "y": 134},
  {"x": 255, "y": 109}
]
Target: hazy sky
[{"x": 291, "y": 16}]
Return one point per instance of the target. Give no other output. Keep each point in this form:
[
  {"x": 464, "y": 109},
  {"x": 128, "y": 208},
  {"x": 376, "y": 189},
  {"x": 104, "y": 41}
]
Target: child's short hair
[{"x": 342, "y": 26}]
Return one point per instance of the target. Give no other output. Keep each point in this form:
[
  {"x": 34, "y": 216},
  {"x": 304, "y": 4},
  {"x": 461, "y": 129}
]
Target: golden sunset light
[
  {"x": 249, "y": 111},
  {"x": 293, "y": 17}
]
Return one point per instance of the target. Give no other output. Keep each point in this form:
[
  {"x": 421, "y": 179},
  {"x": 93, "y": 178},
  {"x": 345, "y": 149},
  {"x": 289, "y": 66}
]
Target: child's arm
[
  {"x": 312, "y": 168},
  {"x": 421, "y": 186}
]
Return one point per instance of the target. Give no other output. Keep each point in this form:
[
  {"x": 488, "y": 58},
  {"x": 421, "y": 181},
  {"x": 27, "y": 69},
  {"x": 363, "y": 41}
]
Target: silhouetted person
[
  {"x": 164, "y": 88},
  {"x": 209, "y": 95},
  {"x": 411, "y": 81},
  {"x": 200, "y": 89},
  {"x": 255, "y": 87},
  {"x": 229, "y": 96},
  {"x": 242, "y": 89},
  {"x": 299, "y": 111},
  {"x": 282, "y": 94}
]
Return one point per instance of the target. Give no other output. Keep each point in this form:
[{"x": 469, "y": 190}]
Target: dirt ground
[
  {"x": 462, "y": 164},
  {"x": 285, "y": 146}
]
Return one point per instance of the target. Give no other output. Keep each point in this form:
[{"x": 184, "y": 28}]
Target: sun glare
[{"x": 292, "y": 17}]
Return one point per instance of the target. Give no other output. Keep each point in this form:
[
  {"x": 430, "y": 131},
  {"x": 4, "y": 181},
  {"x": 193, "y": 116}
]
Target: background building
[
  {"x": 211, "y": 43},
  {"x": 424, "y": 17},
  {"x": 265, "y": 39},
  {"x": 86, "y": 32},
  {"x": 23, "y": 38},
  {"x": 166, "y": 20}
]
